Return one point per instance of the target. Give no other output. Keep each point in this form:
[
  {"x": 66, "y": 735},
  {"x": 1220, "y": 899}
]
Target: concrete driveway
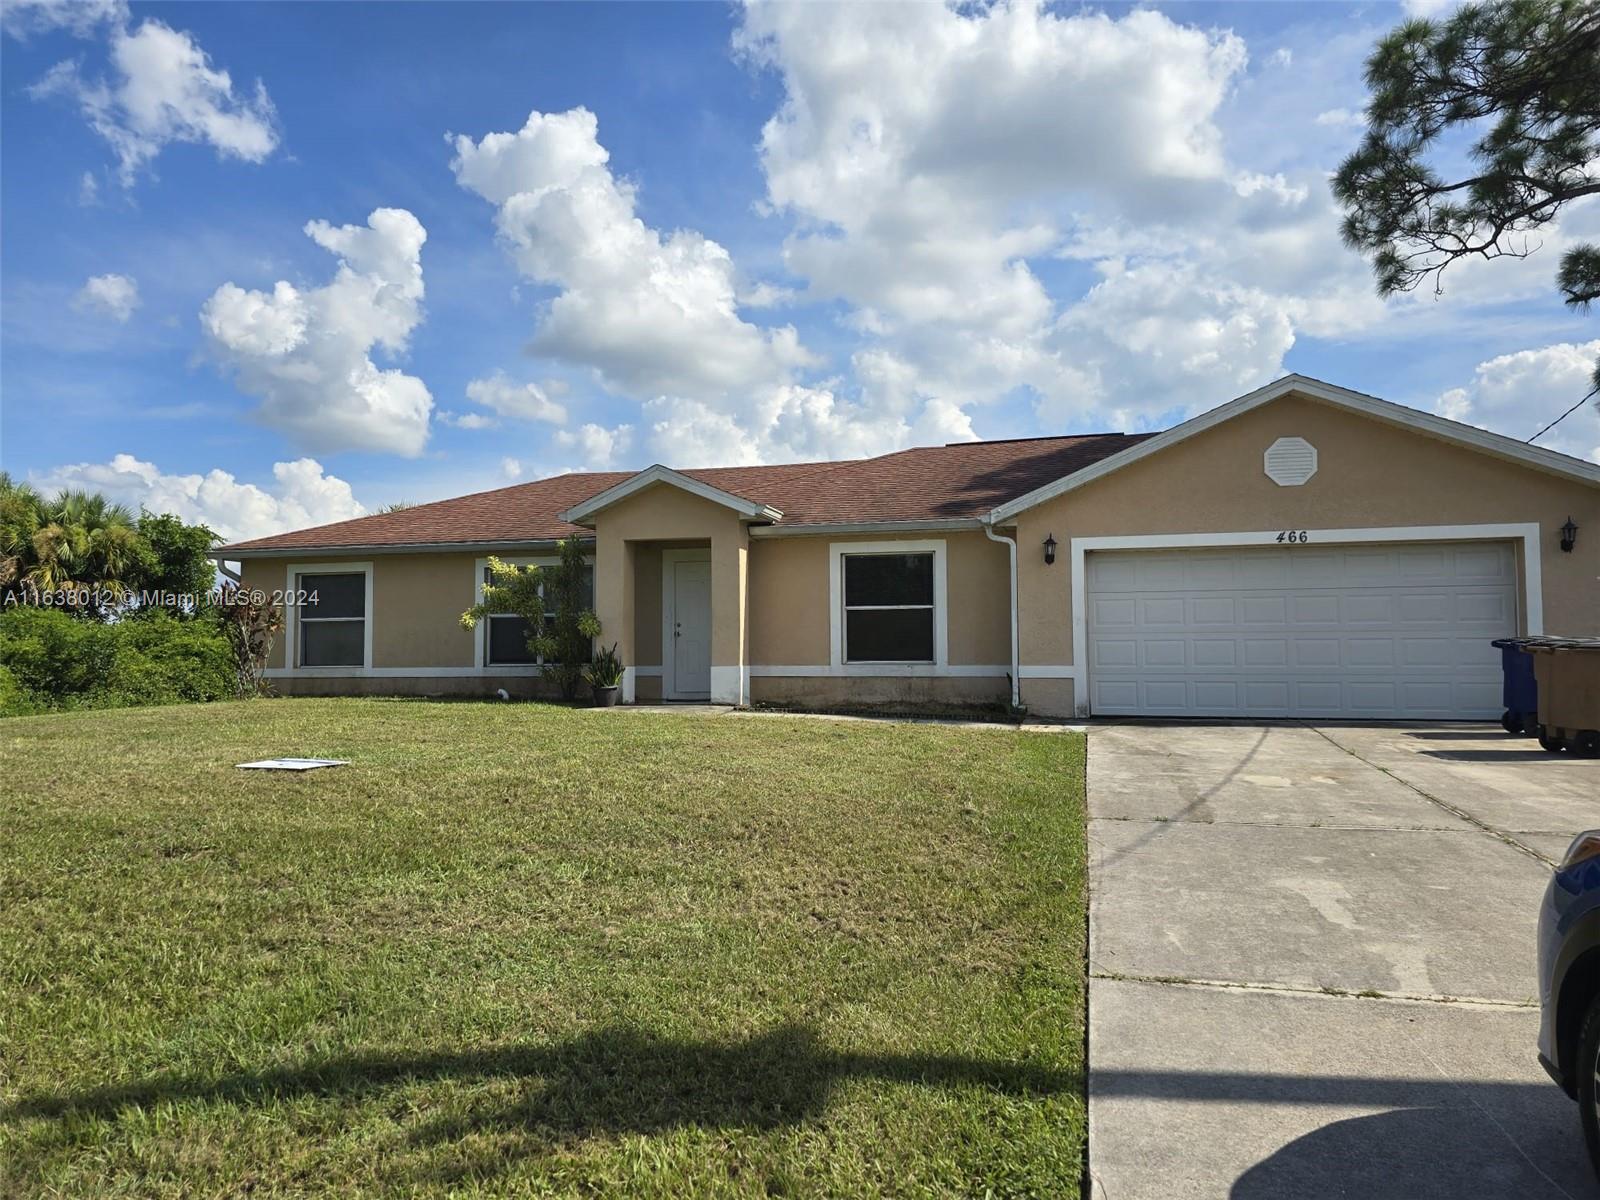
[{"x": 1312, "y": 961}]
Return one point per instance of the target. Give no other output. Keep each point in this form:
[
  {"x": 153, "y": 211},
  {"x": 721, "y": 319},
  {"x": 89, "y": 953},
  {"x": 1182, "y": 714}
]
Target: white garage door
[{"x": 1388, "y": 630}]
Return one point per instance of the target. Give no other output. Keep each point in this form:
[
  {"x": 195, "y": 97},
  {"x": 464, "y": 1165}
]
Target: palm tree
[
  {"x": 83, "y": 541},
  {"x": 19, "y": 520}
]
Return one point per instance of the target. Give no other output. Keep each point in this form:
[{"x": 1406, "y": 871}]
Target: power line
[{"x": 1565, "y": 415}]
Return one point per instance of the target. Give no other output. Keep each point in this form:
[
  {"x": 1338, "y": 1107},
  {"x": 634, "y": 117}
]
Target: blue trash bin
[{"x": 1519, "y": 692}]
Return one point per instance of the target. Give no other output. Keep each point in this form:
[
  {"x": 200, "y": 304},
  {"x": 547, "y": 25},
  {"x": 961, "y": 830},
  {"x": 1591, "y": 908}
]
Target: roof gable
[
  {"x": 584, "y": 511},
  {"x": 1413, "y": 419}
]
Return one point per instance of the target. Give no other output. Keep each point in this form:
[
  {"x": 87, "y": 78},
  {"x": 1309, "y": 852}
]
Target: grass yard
[{"x": 519, "y": 949}]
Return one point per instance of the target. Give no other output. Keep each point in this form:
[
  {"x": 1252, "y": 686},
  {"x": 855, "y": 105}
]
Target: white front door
[{"x": 689, "y": 629}]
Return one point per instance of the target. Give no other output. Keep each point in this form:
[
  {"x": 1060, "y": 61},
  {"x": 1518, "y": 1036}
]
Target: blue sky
[{"x": 726, "y": 235}]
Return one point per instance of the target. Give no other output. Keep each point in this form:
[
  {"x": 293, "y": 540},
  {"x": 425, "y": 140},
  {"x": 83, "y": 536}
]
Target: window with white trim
[
  {"x": 332, "y": 623},
  {"x": 506, "y": 634},
  {"x": 889, "y": 608}
]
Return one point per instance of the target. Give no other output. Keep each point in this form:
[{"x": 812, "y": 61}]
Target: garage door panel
[
  {"x": 1478, "y": 653},
  {"x": 1370, "y": 699},
  {"x": 1262, "y": 573},
  {"x": 1370, "y": 608},
  {"x": 1264, "y": 610},
  {"x": 1369, "y": 652},
  {"x": 1391, "y": 631},
  {"x": 1431, "y": 652},
  {"x": 1478, "y": 696},
  {"x": 1170, "y": 694},
  {"x": 1316, "y": 652},
  {"x": 1166, "y": 652},
  {"x": 1115, "y": 612},
  {"x": 1262, "y": 696},
  {"x": 1116, "y": 696},
  {"x": 1482, "y": 563},
  {"x": 1315, "y": 609},
  {"x": 1429, "y": 697},
  {"x": 1116, "y": 652},
  {"x": 1162, "y": 610},
  {"x": 1312, "y": 568},
  {"x": 1205, "y": 574},
  {"x": 1162, "y": 575},
  {"x": 1426, "y": 608},
  {"x": 1266, "y": 652},
  {"x": 1491, "y": 608},
  {"x": 1317, "y": 695},
  {"x": 1368, "y": 566},
  {"x": 1212, "y": 610},
  {"x": 1213, "y": 694}
]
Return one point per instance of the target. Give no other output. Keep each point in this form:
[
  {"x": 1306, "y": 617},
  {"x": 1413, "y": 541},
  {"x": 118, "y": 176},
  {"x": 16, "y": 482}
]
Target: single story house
[{"x": 1301, "y": 551}]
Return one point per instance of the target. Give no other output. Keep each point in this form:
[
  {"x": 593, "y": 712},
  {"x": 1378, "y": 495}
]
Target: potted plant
[{"x": 604, "y": 673}]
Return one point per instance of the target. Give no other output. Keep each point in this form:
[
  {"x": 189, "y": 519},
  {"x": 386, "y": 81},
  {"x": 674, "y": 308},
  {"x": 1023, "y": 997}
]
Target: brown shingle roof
[{"x": 932, "y": 483}]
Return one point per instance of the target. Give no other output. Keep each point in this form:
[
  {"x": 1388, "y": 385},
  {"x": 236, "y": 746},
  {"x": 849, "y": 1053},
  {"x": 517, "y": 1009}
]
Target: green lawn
[{"x": 529, "y": 950}]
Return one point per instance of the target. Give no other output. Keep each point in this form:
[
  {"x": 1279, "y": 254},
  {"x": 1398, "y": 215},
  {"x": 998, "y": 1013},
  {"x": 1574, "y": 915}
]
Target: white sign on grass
[{"x": 293, "y": 764}]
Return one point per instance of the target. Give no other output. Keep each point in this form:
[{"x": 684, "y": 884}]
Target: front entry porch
[{"x": 672, "y": 586}]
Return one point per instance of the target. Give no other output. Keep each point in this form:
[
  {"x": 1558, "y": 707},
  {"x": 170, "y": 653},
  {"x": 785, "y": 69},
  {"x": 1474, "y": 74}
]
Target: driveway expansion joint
[
  {"x": 1484, "y": 826},
  {"x": 1281, "y": 989},
  {"x": 1291, "y": 825}
]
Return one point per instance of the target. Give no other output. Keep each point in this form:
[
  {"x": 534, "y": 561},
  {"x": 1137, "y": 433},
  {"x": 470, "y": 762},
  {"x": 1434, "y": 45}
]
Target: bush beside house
[{"x": 51, "y": 660}]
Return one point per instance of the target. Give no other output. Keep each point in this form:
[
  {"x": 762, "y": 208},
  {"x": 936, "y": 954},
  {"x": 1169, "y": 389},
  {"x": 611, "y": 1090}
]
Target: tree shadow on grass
[{"x": 612, "y": 1080}]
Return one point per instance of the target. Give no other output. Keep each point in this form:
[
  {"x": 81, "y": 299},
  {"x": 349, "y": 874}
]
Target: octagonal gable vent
[{"x": 1290, "y": 461}]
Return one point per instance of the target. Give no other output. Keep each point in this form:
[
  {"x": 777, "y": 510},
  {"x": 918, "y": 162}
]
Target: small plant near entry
[
  {"x": 561, "y": 628},
  {"x": 604, "y": 674},
  {"x": 568, "y": 637},
  {"x": 250, "y": 626}
]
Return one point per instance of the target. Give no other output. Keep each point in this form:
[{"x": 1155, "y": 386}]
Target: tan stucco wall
[
  {"x": 1368, "y": 474},
  {"x": 646, "y": 607},
  {"x": 789, "y": 600},
  {"x": 417, "y": 602},
  {"x": 837, "y": 691}
]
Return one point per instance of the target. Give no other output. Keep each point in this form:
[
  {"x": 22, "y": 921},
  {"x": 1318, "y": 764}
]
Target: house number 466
[{"x": 1293, "y": 535}]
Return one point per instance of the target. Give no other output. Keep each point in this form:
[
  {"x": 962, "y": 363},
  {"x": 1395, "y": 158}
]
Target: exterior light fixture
[
  {"x": 1050, "y": 549},
  {"x": 1569, "y": 537}
]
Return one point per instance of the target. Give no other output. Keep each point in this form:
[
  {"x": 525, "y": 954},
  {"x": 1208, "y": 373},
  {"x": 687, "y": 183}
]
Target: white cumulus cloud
[
  {"x": 1341, "y": 118},
  {"x": 114, "y": 296},
  {"x": 653, "y": 313},
  {"x": 163, "y": 89},
  {"x": 23, "y": 18},
  {"x": 306, "y": 353},
  {"x": 656, "y": 315},
  {"x": 932, "y": 156},
  {"x": 597, "y": 447},
  {"x": 1518, "y": 394},
  {"x": 1429, "y": 8},
  {"x": 519, "y": 401},
  {"x": 301, "y": 494}
]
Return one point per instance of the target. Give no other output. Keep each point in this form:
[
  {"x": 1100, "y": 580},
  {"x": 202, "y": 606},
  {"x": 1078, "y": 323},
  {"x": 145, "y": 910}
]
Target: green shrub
[
  {"x": 55, "y": 660},
  {"x": 15, "y": 700},
  {"x": 185, "y": 660}
]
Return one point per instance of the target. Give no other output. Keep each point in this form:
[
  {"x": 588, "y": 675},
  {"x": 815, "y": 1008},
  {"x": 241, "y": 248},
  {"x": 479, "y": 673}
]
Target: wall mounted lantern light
[
  {"x": 1569, "y": 536},
  {"x": 1050, "y": 550}
]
